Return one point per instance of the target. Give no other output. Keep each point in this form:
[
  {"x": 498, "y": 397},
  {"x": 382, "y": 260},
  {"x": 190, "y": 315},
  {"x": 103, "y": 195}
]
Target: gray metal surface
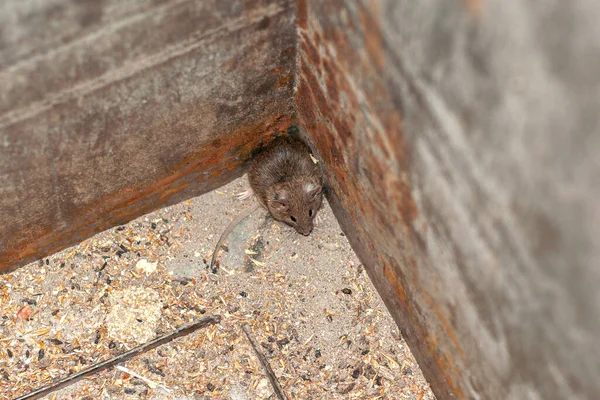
[
  {"x": 461, "y": 140},
  {"x": 110, "y": 109}
]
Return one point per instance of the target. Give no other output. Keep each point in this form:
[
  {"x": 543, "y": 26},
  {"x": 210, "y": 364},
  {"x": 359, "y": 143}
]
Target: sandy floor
[{"x": 311, "y": 306}]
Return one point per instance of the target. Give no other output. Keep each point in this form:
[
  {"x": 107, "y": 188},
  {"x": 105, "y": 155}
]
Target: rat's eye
[
  {"x": 310, "y": 213},
  {"x": 293, "y": 219}
]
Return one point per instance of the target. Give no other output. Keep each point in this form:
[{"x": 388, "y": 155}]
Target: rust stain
[
  {"x": 406, "y": 205},
  {"x": 129, "y": 203},
  {"x": 311, "y": 50},
  {"x": 171, "y": 191},
  {"x": 445, "y": 363},
  {"x": 320, "y": 99},
  {"x": 392, "y": 123},
  {"x": 394, "y": 280},
  {"x": 230, "y": 64},
  {"x": 474, "y": 7},
  {"x": 442, "y": 360},
  {"x": 302, "y": 9},
  {"x": 331, "y": 82},
  {"x": 283, "y": 81},
  {"x": 444, "y": 322},
  {"x": 372, "y": 34},
  {"x": 304, "y": 106},
  {"x": 288, "y": 51}
]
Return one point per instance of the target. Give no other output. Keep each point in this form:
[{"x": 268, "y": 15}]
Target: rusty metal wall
[
  {"x": 110, "y": 108},
  {"x": 461, "y": 141}
]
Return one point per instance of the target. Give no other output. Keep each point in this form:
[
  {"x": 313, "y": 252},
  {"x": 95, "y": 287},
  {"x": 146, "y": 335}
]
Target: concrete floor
[{"x": 317, "y": 316}]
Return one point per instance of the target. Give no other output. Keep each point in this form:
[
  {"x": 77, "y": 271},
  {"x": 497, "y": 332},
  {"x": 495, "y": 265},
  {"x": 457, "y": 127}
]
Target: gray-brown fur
[{"x": 288, "y": 183}]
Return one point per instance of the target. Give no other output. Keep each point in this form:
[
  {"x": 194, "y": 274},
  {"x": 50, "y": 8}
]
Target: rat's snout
[{"x": 305, "y": 230}]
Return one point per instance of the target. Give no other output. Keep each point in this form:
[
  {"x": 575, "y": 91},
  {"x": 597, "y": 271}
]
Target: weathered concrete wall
[
  {"x": 110, "y": 109},
  {"x": 461, "y": 141}
]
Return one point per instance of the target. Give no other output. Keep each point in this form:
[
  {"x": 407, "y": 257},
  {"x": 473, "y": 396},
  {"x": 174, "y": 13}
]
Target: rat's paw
[{"x": 245, "y": 194}]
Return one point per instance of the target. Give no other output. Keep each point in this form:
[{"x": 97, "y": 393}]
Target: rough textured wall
[
  {"x": 461, "y": 142},
  {"x": 110, "y": 109}
]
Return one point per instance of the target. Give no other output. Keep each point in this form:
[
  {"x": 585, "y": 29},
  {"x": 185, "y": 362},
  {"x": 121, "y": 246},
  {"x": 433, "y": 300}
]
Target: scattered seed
[
  {"x": 103, "y": 266},
  {"x": 25, "y": 313}
]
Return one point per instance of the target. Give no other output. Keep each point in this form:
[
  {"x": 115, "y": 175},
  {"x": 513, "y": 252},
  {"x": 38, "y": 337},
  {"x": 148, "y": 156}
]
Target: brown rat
[{"x": 287, "y": 182}]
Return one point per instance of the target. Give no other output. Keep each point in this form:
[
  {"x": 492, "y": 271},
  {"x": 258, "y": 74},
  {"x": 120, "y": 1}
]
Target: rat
[{"x": 287, "y": 182}]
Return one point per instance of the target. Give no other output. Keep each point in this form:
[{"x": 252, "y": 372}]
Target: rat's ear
[
  {"x": 279, "y": 200},
  {"x": 312, "y": 189},
  {"x": 279, "y": 205}
]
